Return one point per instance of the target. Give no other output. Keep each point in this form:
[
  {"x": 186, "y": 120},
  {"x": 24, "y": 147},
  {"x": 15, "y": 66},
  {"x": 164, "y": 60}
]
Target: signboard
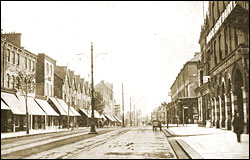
[{"x": 222, "y": 18}]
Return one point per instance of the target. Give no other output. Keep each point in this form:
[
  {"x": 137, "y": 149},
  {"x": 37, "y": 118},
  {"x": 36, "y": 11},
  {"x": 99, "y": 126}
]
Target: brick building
[
  {"x": 183, "y": 106},
  {"x": 224, "y": 42}
]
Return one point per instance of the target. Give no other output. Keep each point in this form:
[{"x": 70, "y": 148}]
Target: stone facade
[{"x": 224, "y": 42}]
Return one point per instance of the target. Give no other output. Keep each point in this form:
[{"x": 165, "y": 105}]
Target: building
[
  {"x": 183, "y": 106},
  {"x": 106, "y": 90},
  {"x": 45, "y": 75},
  {"x": 14, "y": 60},
  {"x": 224, "y": 42}
]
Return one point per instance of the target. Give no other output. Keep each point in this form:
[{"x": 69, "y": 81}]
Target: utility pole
[
  {"x": 122, "y": 107},
  {"x": 92, "y": 129},
  {"x": 130, "y": 113},
  {"x": 134, "y": 115},
  {"x": 26, "y": 103}
]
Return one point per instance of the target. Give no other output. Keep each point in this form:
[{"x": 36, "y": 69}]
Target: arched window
[{"x": 8, "y": 55}]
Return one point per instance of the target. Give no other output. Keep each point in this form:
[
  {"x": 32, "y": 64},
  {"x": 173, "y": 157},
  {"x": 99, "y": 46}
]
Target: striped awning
[
  {"x": 4, "y": 106},
  {"x": 85, "y": 112},
  {"x": 65, "y": 106},
  {"x": 58, "y": 106},
  {"x": 14, "y": 103},
  {"x": 74, "y": 111},
  {"x": 33, "y": 107},
  {"x": 46, "y": 107}
]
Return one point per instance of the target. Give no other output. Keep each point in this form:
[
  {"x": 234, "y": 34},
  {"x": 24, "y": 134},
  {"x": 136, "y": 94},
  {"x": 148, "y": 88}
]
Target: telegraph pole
[
  {"x": 130, "y": 113},
  {"x": 134, "y": 115},
  {"x": 92, "y": 129},
  {"x": 122, "y": 107}
]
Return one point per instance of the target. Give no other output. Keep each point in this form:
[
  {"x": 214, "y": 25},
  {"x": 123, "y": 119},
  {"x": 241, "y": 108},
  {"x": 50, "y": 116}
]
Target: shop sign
[{"x": 222, "y": 18}]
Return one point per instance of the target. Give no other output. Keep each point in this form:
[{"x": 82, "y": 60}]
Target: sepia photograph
[{"x": 124, "y": 79}]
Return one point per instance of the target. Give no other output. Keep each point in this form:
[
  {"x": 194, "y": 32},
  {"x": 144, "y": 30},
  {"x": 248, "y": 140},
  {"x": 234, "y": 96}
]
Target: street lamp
[{"x": 92, "y": 125}]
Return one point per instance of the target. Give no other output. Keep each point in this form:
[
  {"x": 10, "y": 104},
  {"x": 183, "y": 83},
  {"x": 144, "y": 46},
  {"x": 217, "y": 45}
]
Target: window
[
  {"x": 235, "y": 37},
  {"x": 18, "y": 59},
  {"x": 201, "y": 77},
  {"x": 225, "y": 40},
  {"x": 26, "y": 63},
  {"x": 230, "y": 39},
  {"x": 218, "y": 9},
  {"x": 51, "y": 90},
  {"x": 8, "y": 80},
  {"x": 13, "y": 82},
  {"x": 215, "y": 58},
  {"x": 213, "y": 12},
  {"x": 220, "y": 51},
  {"x": 47, "y": 89},
  {"x": 34, "y": 64},
  {"x": 8, "y": 55},
  {"x": 29, "y": 64},
  {"x": 47, "y": 67},
  {"x": 51, "y": 69},
  {"x": 13, "y": 57}
]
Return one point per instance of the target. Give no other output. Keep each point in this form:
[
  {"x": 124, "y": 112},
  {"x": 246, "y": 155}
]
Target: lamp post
[
  {"x": 123, "y": 125},
  {"x": 92, "y": 127}
]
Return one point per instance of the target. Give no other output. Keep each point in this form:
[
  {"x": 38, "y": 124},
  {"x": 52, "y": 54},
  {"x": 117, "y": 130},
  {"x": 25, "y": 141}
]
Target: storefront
[{"x": 51, "y": 118}]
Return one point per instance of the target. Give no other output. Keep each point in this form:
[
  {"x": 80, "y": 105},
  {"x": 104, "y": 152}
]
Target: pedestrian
[{"x": 238, "y": 125}]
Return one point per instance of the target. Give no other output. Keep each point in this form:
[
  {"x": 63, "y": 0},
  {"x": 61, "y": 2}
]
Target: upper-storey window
[
  {"x": 29, "y": 64},
  {"x": 47, "y": 67},
  {"x": 8, "y": 55},
  {"x": 235, "y": 37},
  {"x": 225, "y": 40},
  {"x": 18, "y": 59},
  {"x": 8, "y": 80},
  {"x": 13, "y": 82},
  {"x": 26, "y": 63},
  {"x": 213, "y": 12},
  {"x": 13, "y": 57},
  {"x": 34, "y": 64},
  {"x": 51, "y": 69},
  {"x": 220, "y": 51},
  {"x": 215, "y": 57},
  {"x": 218, "y": 9}
]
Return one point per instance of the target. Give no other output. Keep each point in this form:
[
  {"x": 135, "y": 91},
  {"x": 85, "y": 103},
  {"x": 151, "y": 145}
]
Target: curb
[
  {"x": 185, "y": 146},
  {"x": 29, "y": 135}
]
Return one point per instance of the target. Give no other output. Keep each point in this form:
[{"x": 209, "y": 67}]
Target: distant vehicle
[{"x": 156, "y": 123}]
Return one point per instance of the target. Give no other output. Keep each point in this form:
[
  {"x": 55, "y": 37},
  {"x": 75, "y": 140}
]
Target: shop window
[{"x": 17, "y": 121}]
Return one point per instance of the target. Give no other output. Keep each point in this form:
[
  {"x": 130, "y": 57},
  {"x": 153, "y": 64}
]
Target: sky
[{"x": 140, "y": 44}]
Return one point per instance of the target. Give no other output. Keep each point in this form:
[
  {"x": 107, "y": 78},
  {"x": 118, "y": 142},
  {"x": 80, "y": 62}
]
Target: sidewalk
[
  {"x": 34, "y": 132},
  {"x": 211, "y": 143}
]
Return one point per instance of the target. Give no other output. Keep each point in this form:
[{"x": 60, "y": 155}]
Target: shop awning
[
  {"x": 4, "y": 106},
  {"x": 65, "y": 106},
  {"x": 85, "y": 112},
  {"x": 14, "y": 104},
  {"x": 96, "y": 114},
  {"x": 117, "y": 119},
  {"x": 46, "y": 107},
  {"x": 33, "y": 107},
  {"x": 58, "y": 106},
  {"x": 109, "y": 117},
  {"x": 74, "y": 111},
  {"x": 102, "y": 116}
]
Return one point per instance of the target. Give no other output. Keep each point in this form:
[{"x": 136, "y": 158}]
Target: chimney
[{"x": 13, "y": 37}]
